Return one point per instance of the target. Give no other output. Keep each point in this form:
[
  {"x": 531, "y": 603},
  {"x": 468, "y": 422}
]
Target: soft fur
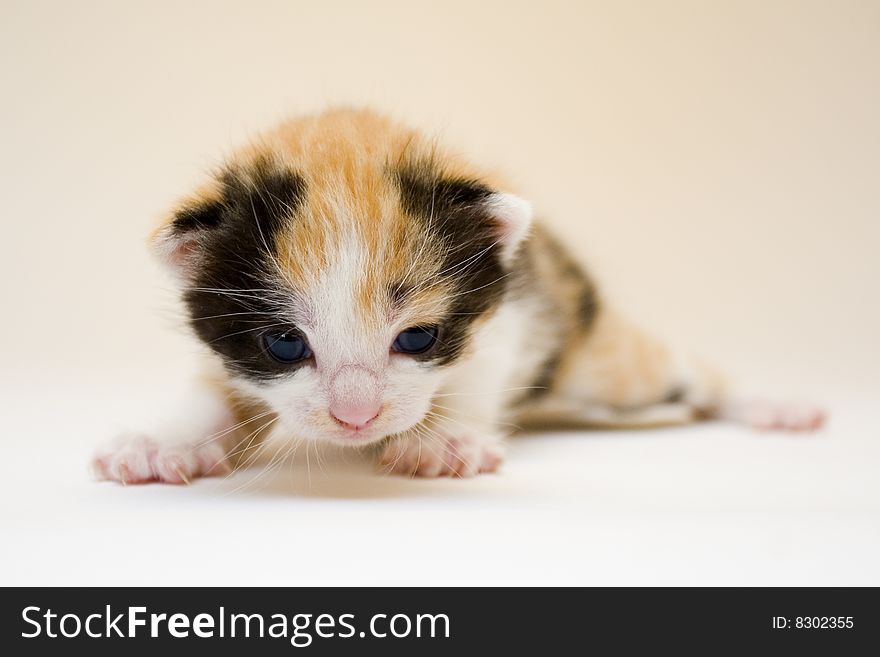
[{"x": 348, "y": 228}]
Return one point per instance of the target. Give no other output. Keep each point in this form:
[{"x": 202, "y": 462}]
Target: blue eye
[
  {"x": 286, "y": 347},
  {"x": 415, "y": 340}
]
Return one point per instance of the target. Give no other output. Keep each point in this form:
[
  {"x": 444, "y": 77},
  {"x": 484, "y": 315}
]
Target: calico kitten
[{"x": 354, "y": 283}]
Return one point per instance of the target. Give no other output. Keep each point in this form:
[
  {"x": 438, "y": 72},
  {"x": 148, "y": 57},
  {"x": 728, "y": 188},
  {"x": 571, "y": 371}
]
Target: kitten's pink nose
[
  {"x": 355, "y": 396},
  {"x": 355, "y": 416}
]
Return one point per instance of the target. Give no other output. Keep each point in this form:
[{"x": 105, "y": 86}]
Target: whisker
[
  {"x": 492, "y": 392},
  {"x": 220, "y": 434}
]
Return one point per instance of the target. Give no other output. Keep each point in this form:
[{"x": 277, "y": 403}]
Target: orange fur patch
[{"x": 344, "y": 157}]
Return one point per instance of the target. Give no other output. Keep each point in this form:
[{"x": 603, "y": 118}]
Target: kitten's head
[{"x": 340, "y": 268}]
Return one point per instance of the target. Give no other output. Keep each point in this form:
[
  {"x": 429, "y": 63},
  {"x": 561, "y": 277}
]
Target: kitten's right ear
[{"x": 178, "y": 242}]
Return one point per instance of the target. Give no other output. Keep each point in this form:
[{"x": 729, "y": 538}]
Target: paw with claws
[
  {"x": 139, "y": 459},
  {"x": 442, "y": 455}
]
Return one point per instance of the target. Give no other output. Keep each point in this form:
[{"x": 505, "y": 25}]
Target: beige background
[{"x": 716, "y": 163}]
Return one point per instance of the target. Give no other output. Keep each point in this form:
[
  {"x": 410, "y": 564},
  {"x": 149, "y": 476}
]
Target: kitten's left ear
[{"x": 513, "y": 218}]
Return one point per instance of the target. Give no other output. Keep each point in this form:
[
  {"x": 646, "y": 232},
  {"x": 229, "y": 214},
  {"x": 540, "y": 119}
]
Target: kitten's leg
[
  {"x": 617, "y": 367},
  {"x": 462, "y": 435},
  {"x": 556, "y": 411},
  {"x": 456, "y": 444},
  {"x": 194, "y": 441}
]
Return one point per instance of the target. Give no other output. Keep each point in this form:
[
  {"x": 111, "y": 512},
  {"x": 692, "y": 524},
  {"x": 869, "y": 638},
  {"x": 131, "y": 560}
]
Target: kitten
[{"x": 354, "y": 283}]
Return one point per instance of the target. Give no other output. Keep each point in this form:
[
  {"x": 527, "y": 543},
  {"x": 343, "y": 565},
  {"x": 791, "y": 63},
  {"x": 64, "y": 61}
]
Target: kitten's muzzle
[{"x": 355, "y": 397}]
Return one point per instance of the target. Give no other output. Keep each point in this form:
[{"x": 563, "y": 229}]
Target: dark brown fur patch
[
  {"x": 231, "y": 302},
  {"x": 453, "y": 213},
  {"x": 571, "y": 298}
]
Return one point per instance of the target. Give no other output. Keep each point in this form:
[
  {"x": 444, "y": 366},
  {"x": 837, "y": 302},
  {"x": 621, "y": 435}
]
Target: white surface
[
  {"x": 712, "y": 504},
  {"x": 715, "y": 163}
]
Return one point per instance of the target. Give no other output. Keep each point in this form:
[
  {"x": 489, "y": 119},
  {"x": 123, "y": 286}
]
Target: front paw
[
  {"x": 442, "y": 455},
  {"x": 139, "y": 459}
]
